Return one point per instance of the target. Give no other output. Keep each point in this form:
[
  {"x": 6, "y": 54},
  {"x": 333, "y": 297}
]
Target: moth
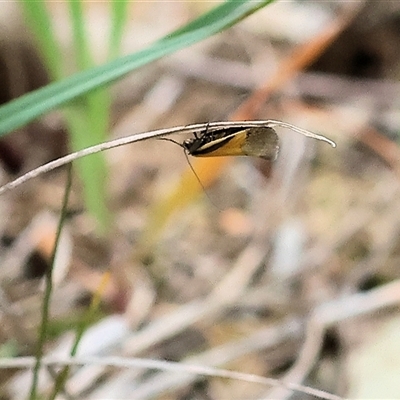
[
  {"x": 258, "y": 141},
  {"x": 254, "y": 139}
]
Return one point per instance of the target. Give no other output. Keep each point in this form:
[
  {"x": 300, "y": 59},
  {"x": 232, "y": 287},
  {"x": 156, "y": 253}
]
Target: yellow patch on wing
[{"x": 232, "y": 147}]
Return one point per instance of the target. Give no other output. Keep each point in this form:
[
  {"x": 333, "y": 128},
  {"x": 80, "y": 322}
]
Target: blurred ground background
[{"x": 233, "y": 278}]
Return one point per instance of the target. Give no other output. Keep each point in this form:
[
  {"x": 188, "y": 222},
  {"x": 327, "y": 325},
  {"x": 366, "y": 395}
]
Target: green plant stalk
[
  {"x": 24, "y": 109},
  {"x": 92, "y": 170},
  {"x": 90, "y": 127},
  {"x": 48, "y": 291},
  {"x": 41, "y": 25},
  {"x": 83, "y": 325},
  {"x": 83, "y": 56},
  {"x": 119, "y": 11}
]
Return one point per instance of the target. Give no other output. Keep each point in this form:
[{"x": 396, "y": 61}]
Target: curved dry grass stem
[
  {"x": 149, "y": 135},
  {"x": 302, "y": 131}
]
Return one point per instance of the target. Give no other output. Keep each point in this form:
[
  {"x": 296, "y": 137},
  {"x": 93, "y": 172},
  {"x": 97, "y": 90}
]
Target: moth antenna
[
  {"x": 200, "y": 183},
  {"x": 191, "y": 167},
  {"x": 304, "y": 132}
]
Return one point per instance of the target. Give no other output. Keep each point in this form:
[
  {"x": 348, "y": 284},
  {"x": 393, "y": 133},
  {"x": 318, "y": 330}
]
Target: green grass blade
[
  {"x": 225, "y": 15},
  {"x": 23, "y": 110},
  {"x": 39, "y": 21}
]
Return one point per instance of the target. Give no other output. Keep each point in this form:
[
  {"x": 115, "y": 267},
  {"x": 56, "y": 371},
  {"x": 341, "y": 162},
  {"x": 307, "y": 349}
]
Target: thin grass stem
[{"x": 48, "y": 292}]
